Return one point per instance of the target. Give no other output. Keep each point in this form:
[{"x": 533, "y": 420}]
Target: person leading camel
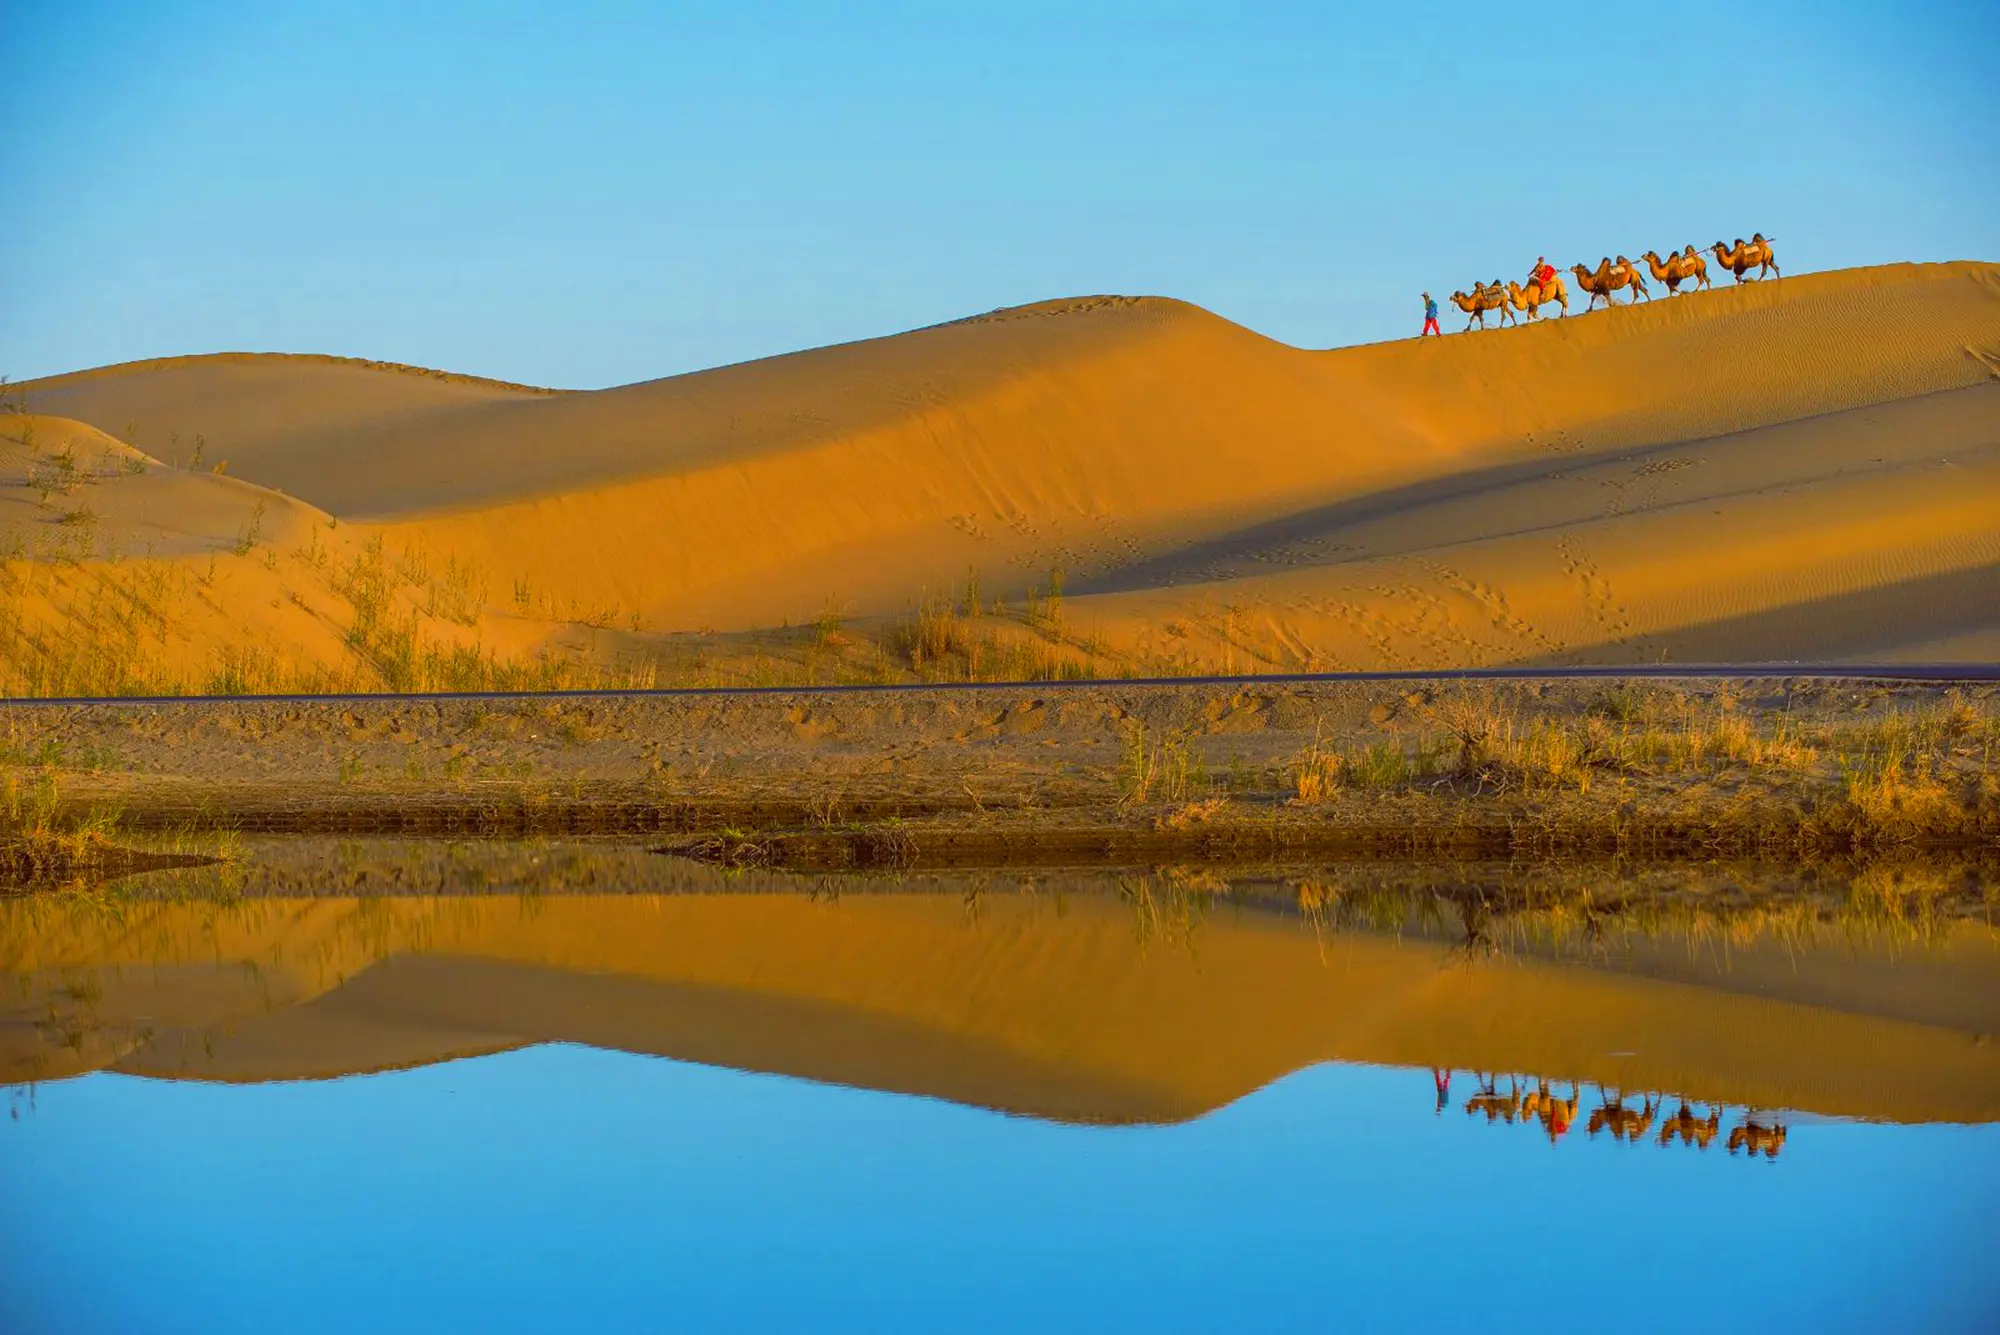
[{"x": 1431, "y": 317}]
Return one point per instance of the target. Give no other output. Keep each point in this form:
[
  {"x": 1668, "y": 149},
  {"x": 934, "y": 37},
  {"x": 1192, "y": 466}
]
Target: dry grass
[
  {"x": 37, "y": 839},
  {"x": 1190, "y": 814},
  {"x": 1908, "y": 775},
  {"x": 954, "y": 637},
  {"x": 76, "y": 627},
  {"x": 1324, "y": 769},
  {"x": 1160, "y": 767},
  {"x": 75, "y": 619}
]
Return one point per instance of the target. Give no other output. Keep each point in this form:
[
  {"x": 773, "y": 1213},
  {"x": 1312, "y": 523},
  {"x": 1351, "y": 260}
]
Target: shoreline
[{"x": 1258, "y": 768}]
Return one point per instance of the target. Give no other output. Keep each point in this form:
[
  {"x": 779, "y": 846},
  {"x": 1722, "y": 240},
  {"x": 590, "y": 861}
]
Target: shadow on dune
[
  {"x": 1866, "y": 626},
  {"x": 1528, "y": 496}
]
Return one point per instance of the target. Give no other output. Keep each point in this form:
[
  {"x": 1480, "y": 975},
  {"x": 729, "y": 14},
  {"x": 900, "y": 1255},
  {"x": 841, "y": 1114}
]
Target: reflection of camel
[
  {"x": 1689, "y": 1129},
  {"x": 1554, "y": 1114},
  {"x": 1536, "y": 295},
  {"x": 1758, "y": 1138},
  {"x": 1482, "y": 300},
  {"x": 1493, "y": 1103},
  {"x": 1627, "y": 1124}
]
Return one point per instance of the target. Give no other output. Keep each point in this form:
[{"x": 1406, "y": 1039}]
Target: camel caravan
[
  {"x": 1545, "y": 287},
  {"x": 1758, "y": 1134}
]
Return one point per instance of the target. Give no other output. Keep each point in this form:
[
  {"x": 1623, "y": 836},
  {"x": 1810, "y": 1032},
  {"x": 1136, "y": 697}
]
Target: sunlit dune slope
[
  {"x": 259, "y": 412},
  {"x": 1058, "y": 1014},
  {"x": 64, "y": 467},
  {"x": 1683, "y": 475}
]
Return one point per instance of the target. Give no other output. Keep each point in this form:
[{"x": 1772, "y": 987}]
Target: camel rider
[{"x": 1543, "y": 272}]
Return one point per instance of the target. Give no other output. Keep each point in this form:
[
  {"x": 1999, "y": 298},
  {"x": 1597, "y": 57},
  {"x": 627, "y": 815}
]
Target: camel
[
  {"x": 1745, "y": 255},
  {"x": 1758, "y": 1138},
  {"x": 1676, "y": 269},
  {"x": 1607, "y": 279},
  {"x": 1536, "y": 294},
  {"x": 1689, "y": 1129},
  {"x": 1482, "y": 300},
  {"x": 1692, "y": 264},
  {"x": 1597, "y": 284},
  {"x": 1630, "y": 272}
]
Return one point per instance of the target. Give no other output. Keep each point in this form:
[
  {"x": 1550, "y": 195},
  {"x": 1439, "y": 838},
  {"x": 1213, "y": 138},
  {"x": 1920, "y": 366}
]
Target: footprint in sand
[{"x": 1599, "y": 601}]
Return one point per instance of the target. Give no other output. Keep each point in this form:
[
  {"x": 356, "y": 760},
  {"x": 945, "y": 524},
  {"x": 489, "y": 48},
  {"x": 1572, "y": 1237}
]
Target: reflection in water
[
  {"x": 1531, "y": 1102},
  {"x": 1215, "y": 1084},
  {"x": 1093, "y": 997},
  {"x": 564, "y": 1188}
]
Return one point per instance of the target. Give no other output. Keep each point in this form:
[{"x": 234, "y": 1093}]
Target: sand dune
[
  {"x": 1611, "y": 487},
  {"x": 1047, "y": 1006}
]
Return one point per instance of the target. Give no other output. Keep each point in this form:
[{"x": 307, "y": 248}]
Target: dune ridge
[{"x": 1588, "y": 489}]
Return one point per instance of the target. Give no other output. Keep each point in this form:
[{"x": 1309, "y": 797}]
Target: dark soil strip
[
  {"x": 514, "y": 814},
  {"x": 941, "y": 847},
  {"x": 1921, "y": 672}
]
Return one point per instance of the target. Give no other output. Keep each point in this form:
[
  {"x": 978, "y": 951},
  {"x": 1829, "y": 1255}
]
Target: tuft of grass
[
  {"x": 1323, "y": 770},
  {"x": 39, "y": 838},
  {"x": 934, "y": 635},
  {"x": 826, "y": 628},
  {"x": 1158, "y": 767},
  {"x": 251, "y": 533},
  {"x": 457, "y": 594},
  {"x": 1190, "y": 814},
  {"x": 1045, "y": 610}
]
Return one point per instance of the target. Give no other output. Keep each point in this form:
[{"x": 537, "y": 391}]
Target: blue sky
[{"x": 584, "y": 195}]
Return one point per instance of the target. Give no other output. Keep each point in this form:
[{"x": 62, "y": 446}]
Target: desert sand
[
  {"x": 1045, "y": 1002},
  {"x": 1795, "y": 469}
]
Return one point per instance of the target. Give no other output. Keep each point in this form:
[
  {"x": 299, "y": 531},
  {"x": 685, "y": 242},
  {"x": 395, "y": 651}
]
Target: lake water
[{"x": 1173, "y": 1100}]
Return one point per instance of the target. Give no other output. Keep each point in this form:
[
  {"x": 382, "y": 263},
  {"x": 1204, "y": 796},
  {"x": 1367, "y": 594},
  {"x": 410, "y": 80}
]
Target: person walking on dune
[{"x": 1431, "y": 317}]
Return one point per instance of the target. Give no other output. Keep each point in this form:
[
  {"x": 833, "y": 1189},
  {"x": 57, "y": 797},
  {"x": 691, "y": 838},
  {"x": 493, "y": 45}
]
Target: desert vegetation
[
  {"x": 1640, "y": 759},
  {"x": 1082, "y": 771},
  {"x": 47, "y": 844}
]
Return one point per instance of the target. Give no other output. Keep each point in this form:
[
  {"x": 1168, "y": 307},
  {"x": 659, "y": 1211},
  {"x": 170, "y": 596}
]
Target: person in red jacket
[{"x": 1542, "y": 273}]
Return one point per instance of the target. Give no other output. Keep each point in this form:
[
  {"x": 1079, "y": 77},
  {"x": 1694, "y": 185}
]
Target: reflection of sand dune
[
  {"x": 1052, "y": 1008},
  {"x": 1605, "y": 486}
]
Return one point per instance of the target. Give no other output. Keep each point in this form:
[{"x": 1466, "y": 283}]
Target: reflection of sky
[{"x": 564, "y": 1188}]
